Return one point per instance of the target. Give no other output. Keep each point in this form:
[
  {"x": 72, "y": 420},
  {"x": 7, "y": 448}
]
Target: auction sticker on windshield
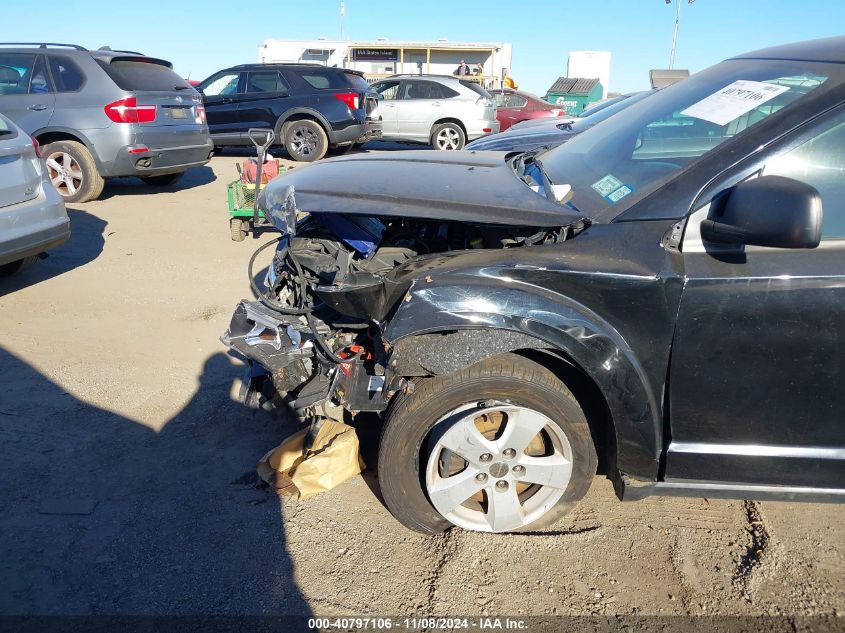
[
  {"x": 733, "y": 101},
  {"x": 611, "y": 188}
]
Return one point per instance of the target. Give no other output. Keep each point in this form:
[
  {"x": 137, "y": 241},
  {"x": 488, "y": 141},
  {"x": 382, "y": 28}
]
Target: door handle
[
  {"x": 437, "y": 104},
  {"x": 37, "y": 107},
  {"x": 226, "y": 100}
]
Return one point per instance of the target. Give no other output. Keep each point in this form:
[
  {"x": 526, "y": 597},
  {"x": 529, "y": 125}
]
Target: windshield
[{"x": 661, "y": 135}]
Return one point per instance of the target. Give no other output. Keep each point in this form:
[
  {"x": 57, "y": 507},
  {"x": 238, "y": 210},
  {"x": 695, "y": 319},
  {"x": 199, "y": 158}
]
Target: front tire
[
  {"x": 305, "y": 140},
  {"x": 448, "y": 137},
  {"x": 502, "y": 446},
  {"x": 73, "y": 172}
]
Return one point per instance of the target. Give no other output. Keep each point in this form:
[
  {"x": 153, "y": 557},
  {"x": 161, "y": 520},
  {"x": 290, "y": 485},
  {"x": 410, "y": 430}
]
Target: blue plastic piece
[{"x": 361, "y": 233}]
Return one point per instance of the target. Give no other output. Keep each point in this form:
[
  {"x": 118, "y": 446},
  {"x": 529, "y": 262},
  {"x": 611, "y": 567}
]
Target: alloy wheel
[
  {"x": 448, "y": 139},
  {"x": 65, "y": 173},
  {"x": 304, "y": 141},
  {"x": 497, "y": 467}
]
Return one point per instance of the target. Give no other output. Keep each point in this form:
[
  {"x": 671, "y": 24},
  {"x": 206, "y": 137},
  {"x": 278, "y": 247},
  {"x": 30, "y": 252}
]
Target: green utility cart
[
  {"x": 242, "y": 194},
  {"x": 241, "y": 198}
]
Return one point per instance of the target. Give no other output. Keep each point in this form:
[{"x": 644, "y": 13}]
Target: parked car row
[{"x": 109, "y": 113}]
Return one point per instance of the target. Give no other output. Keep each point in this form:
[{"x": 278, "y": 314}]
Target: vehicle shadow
[
  {"x": 131, "y": 186},
  {"x": 84, "y": 246},
  {"x": 103, "y": 515}
]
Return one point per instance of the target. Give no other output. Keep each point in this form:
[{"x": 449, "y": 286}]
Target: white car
[
  {"x": 32, "y": 214},
  {"x": 441, "y": 110}
]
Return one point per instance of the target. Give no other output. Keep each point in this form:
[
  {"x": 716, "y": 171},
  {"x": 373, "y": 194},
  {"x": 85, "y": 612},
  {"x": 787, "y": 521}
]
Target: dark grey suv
[{"x": 101, "y": 114}]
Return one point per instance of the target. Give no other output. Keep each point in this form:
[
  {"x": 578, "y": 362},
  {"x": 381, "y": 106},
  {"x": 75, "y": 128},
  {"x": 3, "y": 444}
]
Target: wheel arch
[
  {"x": 46, "y": 136},
  {"x": 445, "y": 352},
  {"x": 449, "y": 119},
  {"x": 569, "y": 339},
  {"x": 299, "y": 114}
]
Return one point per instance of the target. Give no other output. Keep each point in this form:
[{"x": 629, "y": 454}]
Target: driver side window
[
  {"x": 388, "y": 90},
  {"x": 222, "y": 85},
  {"x": 820, "y": 162}
]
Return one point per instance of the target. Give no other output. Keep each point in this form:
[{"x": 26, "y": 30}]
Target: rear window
[
  {"x": 475, "y": 87},
  {"x": 325, "y": 79},
  {"x": 357, "y": 81},
  {"x": 5, "y": 130},
  {"x": 137, "y": 74}
]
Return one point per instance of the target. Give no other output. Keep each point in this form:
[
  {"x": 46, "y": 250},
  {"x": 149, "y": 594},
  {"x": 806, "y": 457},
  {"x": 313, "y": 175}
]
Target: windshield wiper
[
  {"x": 5, "y": 132},
  {"x": 185, "y": 87}
]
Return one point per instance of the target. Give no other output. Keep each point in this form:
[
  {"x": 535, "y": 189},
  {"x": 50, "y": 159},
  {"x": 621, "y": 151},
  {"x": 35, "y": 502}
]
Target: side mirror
[
  {"x": 380, "y": 96},
  {"x": 767, "y": 211}
]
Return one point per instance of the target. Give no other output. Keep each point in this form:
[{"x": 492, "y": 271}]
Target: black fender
[
  {"x": 513, "y": 317},
  {"x": 313, "y": 114}
]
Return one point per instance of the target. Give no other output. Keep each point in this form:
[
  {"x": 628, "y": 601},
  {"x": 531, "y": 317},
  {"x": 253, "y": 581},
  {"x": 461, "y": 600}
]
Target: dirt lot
[{"x": 127, "y": 482}]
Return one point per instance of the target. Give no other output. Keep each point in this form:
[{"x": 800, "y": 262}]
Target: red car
[{"x": 514, "y": 106}]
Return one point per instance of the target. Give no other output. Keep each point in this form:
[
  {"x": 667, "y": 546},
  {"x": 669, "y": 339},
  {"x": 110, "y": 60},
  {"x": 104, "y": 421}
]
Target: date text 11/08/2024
[{"x": 415, "y": 624}]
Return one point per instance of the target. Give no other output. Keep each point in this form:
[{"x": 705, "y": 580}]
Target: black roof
[
  {"x": 828, "y": 49},
  {"x": 573, "y": 85}
]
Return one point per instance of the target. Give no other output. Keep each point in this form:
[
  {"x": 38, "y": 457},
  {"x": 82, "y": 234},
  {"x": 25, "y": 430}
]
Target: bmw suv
[
  {"x": 101, "y": 114},
  {"x": 310, "y": 107}
]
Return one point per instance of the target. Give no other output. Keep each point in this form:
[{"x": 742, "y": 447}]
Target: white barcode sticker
[{"x": 733, "y": 101}]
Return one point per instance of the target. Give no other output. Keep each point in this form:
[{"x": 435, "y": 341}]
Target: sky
[{"x": 203, "y": 37}]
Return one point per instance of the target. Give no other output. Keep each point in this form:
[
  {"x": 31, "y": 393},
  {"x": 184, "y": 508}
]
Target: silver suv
[
  {"x": 441, "y": 110},
  {"x": 32, "y": 215},
  {"x": 101, "y": 114}
]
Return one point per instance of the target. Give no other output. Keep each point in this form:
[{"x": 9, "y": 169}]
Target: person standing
[{"x": 462, "y": 70}]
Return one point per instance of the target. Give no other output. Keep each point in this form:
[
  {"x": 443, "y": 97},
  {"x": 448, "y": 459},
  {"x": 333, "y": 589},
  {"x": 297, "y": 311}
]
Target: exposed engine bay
[{"x": 314, "y": 335}]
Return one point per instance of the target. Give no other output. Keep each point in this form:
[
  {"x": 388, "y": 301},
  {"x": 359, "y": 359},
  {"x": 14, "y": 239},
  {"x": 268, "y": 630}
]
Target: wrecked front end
[{"x": 314, "y": 336}]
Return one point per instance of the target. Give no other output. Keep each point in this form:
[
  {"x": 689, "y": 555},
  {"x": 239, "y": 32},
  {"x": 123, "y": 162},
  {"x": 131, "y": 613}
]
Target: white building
[
  {"x": 382, "y": 57},
  {"x": 592, "y": 65}
]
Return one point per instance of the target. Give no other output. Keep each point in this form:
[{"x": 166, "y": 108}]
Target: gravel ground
[{"x": 127, "y": 484}]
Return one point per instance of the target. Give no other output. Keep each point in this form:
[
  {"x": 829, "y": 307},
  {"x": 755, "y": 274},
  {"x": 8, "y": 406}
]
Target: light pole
[
  {"x": 342, "y": 15},
  {"x": 675, "y": 31}
]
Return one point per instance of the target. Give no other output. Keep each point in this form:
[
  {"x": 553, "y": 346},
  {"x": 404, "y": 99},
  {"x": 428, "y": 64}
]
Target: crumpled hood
[{"x": 477, "y": 187}]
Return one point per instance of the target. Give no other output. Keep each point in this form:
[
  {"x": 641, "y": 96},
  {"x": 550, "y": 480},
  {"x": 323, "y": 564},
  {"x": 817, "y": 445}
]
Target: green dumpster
[{"x": 574, "y": 93}]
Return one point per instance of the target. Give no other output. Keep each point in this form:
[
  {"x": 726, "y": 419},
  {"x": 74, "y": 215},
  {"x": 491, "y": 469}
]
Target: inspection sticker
[
  {"x": 733, "y": 101},
  {"x": 612, "y": 189},
  {"x": 607, "y": 185},
  {"x": 620, "y": 193}
]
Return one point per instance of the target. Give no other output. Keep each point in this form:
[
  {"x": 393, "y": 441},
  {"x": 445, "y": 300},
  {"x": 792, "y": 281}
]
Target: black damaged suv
[
  {"x": 663, "y": 296},
  {"x": 311, "y": 108}
]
